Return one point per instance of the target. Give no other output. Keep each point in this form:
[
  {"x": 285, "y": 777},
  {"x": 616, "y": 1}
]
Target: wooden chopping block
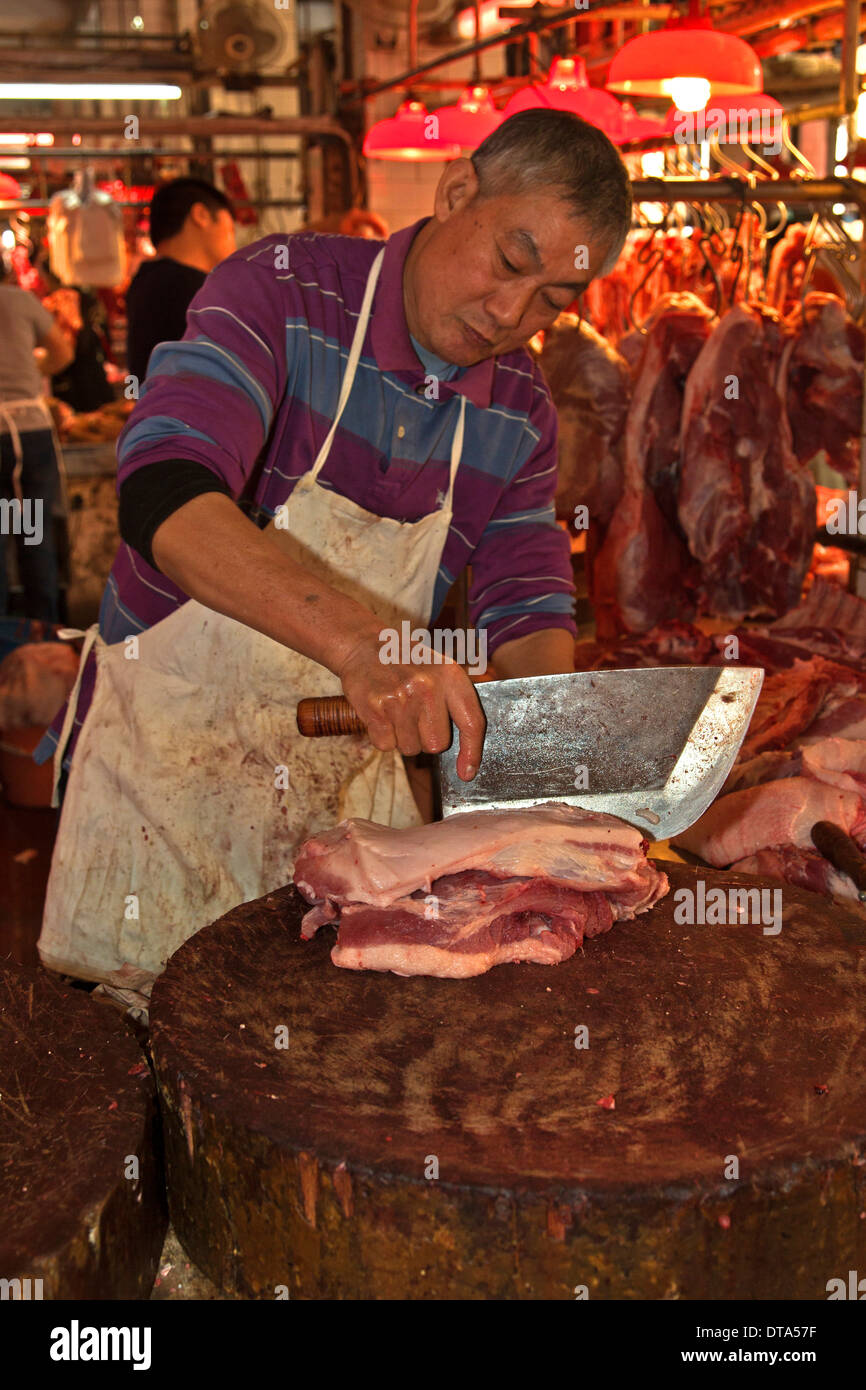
[
  {"x": 77, "y": 1103},
  {"x": 303, "y": 1169}
]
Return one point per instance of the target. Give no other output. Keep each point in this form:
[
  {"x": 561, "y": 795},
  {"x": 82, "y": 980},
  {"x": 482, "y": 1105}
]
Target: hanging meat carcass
[
  {"x": 677, "y": 261},
  {"x": 822, "y": 375},
  {"x": 746, "y": 505},
  {"x": 642, "y": 574},
  {"x": 590, "y": 385},
  {"x": 788, "y": 267}
]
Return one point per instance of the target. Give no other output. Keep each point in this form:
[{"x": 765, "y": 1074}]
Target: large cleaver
[{"x": 652, "y": 746}]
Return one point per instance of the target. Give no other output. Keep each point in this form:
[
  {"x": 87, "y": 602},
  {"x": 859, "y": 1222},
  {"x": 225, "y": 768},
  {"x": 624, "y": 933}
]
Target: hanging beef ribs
[
  {"x": 642, "y": 574},
  {"x": 822, "y": 371},
  {"x": 590, "y": 385},
  {"x": 476, "y": 890},
  {"x": 746, "y": 505}
]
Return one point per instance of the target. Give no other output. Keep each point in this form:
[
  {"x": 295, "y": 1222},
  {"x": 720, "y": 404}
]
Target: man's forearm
[
  {"x": 546, "y": 653},
  {"x": 219, "y": 557}
]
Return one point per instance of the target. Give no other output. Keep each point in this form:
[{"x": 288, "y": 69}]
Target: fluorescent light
[
  {"x": 23, "y": 138},
  {"x": 861, "y": 58},
  {"x": 13, "y": 162},
  {"x": 99, "y": 91}
]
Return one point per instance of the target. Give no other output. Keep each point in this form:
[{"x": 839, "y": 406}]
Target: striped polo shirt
[{"x": 251, "y": 392}]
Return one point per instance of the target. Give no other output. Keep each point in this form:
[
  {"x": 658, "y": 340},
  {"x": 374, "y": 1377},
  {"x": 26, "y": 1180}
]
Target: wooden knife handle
[
  {"x": 837, "y": 846},
  {"x": 327, "y": 715}
]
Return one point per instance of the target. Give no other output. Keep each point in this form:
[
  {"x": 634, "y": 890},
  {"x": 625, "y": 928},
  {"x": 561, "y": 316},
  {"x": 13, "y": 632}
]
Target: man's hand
[
  {"x": 216, "y": 555},
  {"x": 411, "y": 707}
]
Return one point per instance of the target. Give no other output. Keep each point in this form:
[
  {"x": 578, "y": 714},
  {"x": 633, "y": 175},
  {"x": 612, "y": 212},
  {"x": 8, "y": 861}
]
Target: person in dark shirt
[{"x": 192, "y": 229}]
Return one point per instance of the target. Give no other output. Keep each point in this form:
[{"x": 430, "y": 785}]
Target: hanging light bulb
[
  {"x": 567, "y": 89},
  {"x": 412, "y": 134},
  {"x": 471, "y": 120},
  {"x": 686, "y": 46},
  {"x": 690, "y": 93}
]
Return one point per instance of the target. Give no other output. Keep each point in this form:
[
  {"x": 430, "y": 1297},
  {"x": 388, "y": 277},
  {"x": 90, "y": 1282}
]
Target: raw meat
[
  {"x": 828, "y": 606},
  {"x": 822, "y": 372},
  {"x": 480, "y": 921},
  {"x": 776, "y": 813},
  {"x": 840, "y": 762},
  {"x": 840, "y": 718},
  {"x": 459, "y": 896},
  {"x": 643, "y": 574},
  {"x": 590, "y": 385},
  {"x": 787, "y": 706},
  {"x": 746, "y": 506},
  {"x": 804, "y": 868},
  {"x": 360, "y": 861},
  {"x": 670, "y": 644},
  {"x": 788, "y": 266},
  {"x": 765, "y": 767},
  {"x": 776, "y": 653},
  {"x": 654, "y": 264}
]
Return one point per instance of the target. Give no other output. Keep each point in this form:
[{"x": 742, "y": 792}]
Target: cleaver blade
[{"x": 652, "y": 746}]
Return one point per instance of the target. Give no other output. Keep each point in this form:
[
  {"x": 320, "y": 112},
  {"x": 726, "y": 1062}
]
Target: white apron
[
  {"x": 29, "y": 408},
  {"x": 177, "y": 807}
]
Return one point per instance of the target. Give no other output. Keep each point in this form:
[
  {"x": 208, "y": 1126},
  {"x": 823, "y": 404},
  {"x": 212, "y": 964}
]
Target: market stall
[{"x": 444, "y": 810}]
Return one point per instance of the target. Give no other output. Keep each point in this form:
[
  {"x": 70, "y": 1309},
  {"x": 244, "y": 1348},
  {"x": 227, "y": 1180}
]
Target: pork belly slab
[
  {"x": 476, "y": 890},
  {"x": 737, "y": 826}
]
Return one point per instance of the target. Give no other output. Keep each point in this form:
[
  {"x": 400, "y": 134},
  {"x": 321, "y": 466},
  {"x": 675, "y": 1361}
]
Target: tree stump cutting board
[
  {"x": 426, "y": 1138},
  {"x": 81, "y": 1187}
]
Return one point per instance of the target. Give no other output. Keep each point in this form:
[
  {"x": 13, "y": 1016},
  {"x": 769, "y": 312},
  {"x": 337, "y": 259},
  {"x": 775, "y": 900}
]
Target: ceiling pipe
[
  {"x": 768, "y": 15},
  {"x": 809, "y": 25},
  {"x": 849, "y": 82},
  {"x": 180, "y": 125}
]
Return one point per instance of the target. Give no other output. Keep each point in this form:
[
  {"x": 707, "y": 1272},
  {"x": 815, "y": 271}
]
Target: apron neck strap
[
  {"x": 352, "y": 364},
  {"x": 349, "y": 378},
  {"x": 456, "y": 452}
]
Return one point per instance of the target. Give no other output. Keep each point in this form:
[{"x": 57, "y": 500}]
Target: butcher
[{"x": 343, "y": 429}]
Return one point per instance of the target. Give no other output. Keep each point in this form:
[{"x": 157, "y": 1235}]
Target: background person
[
  {"x": 31, "y": 347},
  {"x": 192, "y": 229}
]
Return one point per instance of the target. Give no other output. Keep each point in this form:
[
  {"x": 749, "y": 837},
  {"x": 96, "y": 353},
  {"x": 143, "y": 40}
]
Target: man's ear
[
  {"x": 200, "y": 215},
  {"x": 457, "y": 186}
]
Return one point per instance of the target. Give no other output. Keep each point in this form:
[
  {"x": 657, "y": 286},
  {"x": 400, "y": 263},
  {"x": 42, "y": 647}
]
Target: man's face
[
  {"x": 484, "y": 275},
  {"x": 218, "y": 235}
]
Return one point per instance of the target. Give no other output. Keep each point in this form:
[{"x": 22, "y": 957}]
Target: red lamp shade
[
  {"x": 635, "y": 127},
  {"x": 732, "y": 120},
  {"x": 9, "y": 188},
  {"x": 472, "y": 119},
  {"x": 687, "y": 47},
  {"x": 413, "y": 133},
  {"x": 567, "y": 89}
]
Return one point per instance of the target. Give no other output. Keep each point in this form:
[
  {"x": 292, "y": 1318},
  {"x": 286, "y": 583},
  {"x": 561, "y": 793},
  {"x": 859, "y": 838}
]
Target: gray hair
[{"x": 564, "y": 155}]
